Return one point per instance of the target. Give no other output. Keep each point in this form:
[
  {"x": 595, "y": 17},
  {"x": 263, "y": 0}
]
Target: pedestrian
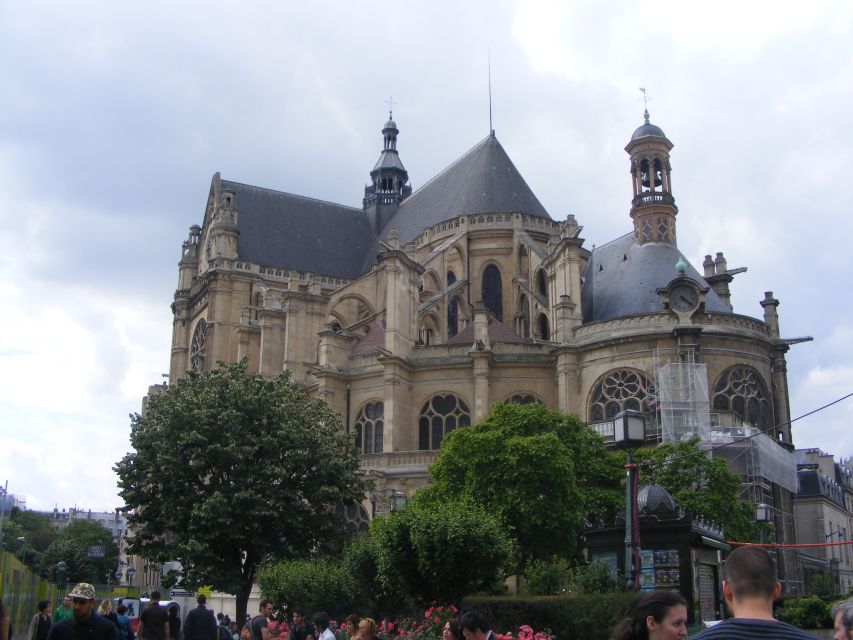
[
  {"x": 200, "y": 623},
  {"x": 842, "y": 617},
  {"x": 224, "y": 629},
  {"x": 63, "y": 611},
  {"x": 40, "y": 622},
  {"x": 476, "y": 627},
  {"x": 125, "y": 630},
  {"x": 451, "y": 630},
  {"x": 367, "y": 629},
  {"x": 154, "y": 620},
  {"x": 351, "y": 625},
  {"x": 258, "y": 625},
  {"x": 105, "y": 610},
  {"x": 85, "y": 621},
  {"x": 658, "y": 615},
  {"x": 174, "y": 621},
  {"x": 4, "y": 622},
  {"x": 321, "y": 626},
  {"x": 300, "y": 630},
  {"x": 749, "y": 589}
]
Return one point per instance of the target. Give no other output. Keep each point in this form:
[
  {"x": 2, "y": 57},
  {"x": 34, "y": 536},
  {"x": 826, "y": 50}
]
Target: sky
[{"x": 115, "y": 116}]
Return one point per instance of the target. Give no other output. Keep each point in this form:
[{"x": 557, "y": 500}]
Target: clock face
[
  {"x": 683, "y": 297},
  {"x": 198, "y": 346}
]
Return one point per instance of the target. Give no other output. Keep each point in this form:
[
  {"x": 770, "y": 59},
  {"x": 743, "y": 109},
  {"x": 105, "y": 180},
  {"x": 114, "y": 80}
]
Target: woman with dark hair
[
  {"x": 451, "y": 630},
  {"x": 659, "y": 615},
  {"x": 351, "y": 625},
  {"x": 174, "y": 622}
]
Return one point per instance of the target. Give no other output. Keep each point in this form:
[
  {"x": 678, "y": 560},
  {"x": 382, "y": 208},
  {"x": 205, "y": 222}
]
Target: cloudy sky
[{"x": 115, "y": 115}]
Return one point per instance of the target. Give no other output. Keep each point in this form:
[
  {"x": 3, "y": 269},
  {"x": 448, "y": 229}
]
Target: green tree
[
  {"x": 439, "y": 550},
  {"x": 541, "y": 471},
  {"x": 701, "y": 485},
  {"x": 230, "y": 468},
  {"x": 79, "y": 568},
  {"x": 312, "y": 584},
  {"x": 88, "y": 534},
  {"x": 37, "y": 531}
]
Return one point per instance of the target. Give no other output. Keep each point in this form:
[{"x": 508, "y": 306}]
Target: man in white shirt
[{"x": 321, "y": 626}]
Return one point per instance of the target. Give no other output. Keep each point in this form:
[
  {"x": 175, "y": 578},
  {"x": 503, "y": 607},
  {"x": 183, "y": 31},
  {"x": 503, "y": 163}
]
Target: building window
[
  {"x": 369, "y": 428},
  {"x": 542, "y": 284},
  {"x": 544, "y": 329},
  {"x": 619, "y": 390},
  {"x": 741, "y": 390},
  {"x": 493, "y": 291},
  {"x": 451, "y": 278},
  {"x": 452, "y": 318},
  {"x": 523, "y": 398},
  {"x": 439, "y": 416},
  {"x": 198, "y": 347}
]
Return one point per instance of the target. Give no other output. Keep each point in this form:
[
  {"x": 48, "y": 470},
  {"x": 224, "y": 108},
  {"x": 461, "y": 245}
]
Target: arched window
[
  {"x": 439, "y": 416},
  {"x": 617, "y": 391},
  {"x": 523, "y": 398},
  {"x": 543, "y": 327},
  {"x": 451, "y": 278},
  {"x": 493, "y": 291},
  {"x": 523, "y": 328},
  {"x": 542, "y": 283},
  {"x": 523, "y": 262},
  {"x": 452, "y": 318},
  {"x": 741, "y": 390},
  {"x": 198, "y": 347},
  {"x": 369, "y": 427}
]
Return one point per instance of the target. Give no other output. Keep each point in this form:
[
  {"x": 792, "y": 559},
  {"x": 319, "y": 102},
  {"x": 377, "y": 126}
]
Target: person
[
  {"x": 321, "y": 626},
  {"x": 300, "y": 630},
  {"x": 174, "y": 621},
  {"x": 749, "y": 589},
  {"x": 153, "y": 621},
  {"x": 125, "y": 630},
  {"x": 658, "y": 615},
  {"x": 223, "y": 631},
  {"x": 85, "y": 621},
  {"x": 235, "y": 632},
  {"x": 475, "y": 626},
  {"x": 351, "y": 626},
  {"x": 40, "y": 622},
  {"x": 105, "y": 610},
  {"x": 367, "y": 629},
  {"x": 259, "y": 624},
  {"x": 200, "y": 623},
  {"x": 4, "y": 623},
  {"x": 63, "y": 611},
  {"x": 451, "y": 630},
  {"x": 842, "y": 617}
]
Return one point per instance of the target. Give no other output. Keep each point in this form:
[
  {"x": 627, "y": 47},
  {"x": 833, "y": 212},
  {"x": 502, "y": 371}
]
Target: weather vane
[
  {"x": 390, "y": 102},
  {"x": 646, "y": 99}
]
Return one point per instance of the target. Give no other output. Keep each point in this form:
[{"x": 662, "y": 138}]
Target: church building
[{"x": 412, "y": 315}]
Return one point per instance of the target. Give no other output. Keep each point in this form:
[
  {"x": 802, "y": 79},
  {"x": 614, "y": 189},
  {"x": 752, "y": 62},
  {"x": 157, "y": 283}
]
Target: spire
[
  {"x": 653, "y": 207},
  {"x": 389, "y": 179}
]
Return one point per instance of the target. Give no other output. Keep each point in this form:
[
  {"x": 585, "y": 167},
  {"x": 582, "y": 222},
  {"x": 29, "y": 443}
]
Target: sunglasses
[{"x": 79, "y": 600}]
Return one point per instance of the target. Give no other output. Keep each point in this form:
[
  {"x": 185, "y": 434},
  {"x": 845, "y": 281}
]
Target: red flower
[{"x": 436, "y": 620}]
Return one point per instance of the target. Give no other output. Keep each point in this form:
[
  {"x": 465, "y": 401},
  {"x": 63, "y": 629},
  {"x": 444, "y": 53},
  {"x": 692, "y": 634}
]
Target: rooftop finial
[
  {"x": 489, "y": 57},
  {"x": 646, "y": 99},
  {"x": 390, "y": 102}
]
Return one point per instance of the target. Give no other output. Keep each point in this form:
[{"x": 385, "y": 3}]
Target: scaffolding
[{"x": 683, "y": 394}]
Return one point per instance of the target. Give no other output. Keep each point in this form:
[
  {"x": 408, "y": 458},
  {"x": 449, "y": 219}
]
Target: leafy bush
[
  {"x": 547, "y": 577},
  {"x": 810, "y": 612},
  {"x": 582, "y": 617},
  {"x": 594, "y": 578},
  {"x": 313, "y": 584}
]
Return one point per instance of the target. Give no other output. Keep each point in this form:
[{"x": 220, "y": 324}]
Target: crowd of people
[{"x": 749, "y": 587}]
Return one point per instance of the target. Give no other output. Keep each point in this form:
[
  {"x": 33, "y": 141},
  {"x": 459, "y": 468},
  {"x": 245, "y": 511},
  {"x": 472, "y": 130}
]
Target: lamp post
[
  {"x": 61, "y": 568},
  {"x": 129, "y": 574},
  {"x": 629, "y": 432},
  {"x": 398, "y": 501},
  {"x": 763, "y": 515}
]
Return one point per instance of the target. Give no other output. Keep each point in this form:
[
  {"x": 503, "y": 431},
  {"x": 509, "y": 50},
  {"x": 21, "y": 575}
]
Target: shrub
[
  {"x": 810, "y": 612},
  {"x": 582, "y": 617},
  {"x": 547, "y": 577},
  {"x": 313, "y": 584},
  {"x": 594, "y": 578}
]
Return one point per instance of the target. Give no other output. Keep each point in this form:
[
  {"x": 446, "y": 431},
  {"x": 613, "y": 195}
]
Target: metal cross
[
  {"x": 390, "y": 102},
  {"x": 646, "y": 98}
]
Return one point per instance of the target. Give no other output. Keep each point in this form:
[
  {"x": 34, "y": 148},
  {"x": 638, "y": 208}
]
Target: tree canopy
[
  {"x": 541, "y": 471},
  {"x": 230, "y": 468}
]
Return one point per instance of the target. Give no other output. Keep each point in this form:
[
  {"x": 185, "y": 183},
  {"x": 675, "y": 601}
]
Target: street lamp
[
  {"x": 629, "y": 432},
  {"x": 398, "y": 501},
  {"x": 130, "y": 573},
  {"x": 763, "y": 515},
  {"x": 118, "y": 577},
  {"x": 61, "y": 568}
]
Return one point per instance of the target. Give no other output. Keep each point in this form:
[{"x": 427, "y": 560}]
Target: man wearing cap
[{"x": 85, "y": 623}]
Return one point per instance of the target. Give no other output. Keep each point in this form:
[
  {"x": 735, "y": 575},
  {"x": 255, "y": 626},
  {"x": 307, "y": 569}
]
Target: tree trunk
[{"x": 243, "y": 594}]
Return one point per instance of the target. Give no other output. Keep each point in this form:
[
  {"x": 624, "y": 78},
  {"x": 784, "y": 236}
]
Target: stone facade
[{"x": 437, "y": 304}]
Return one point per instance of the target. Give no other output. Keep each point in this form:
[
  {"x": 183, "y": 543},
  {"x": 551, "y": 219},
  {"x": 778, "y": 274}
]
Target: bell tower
[
  {"x": 389, "y": 181},
  {"x": 653, "y": 208}
]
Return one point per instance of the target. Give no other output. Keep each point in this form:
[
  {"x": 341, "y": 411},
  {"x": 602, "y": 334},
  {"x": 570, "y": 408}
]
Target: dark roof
[
  {"x": 812, "y": 483},
  {"x": 648, "y": 129},
  {"x": 389, "y": 159},
  {"x": 498, "y": 332},
  {"x": 484, "y": 180},
  {"x": 622, "y": 278},
  {"x": 654, "y": 499},
  {"x": 283, "y": 230}
]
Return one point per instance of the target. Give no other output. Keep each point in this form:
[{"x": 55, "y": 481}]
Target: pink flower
[
  {"x": 454, "y": 609},
  {"x": 428, "y": 613},
  {"x": 437, "y": 620},
  {"x": 440, "y": 609}
]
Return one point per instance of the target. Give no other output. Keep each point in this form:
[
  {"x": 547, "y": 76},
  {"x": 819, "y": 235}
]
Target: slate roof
[
  {"x": 284, "y": 230},
  {"x": 484, "y": 180},
  {"x": 622, "y": 277},
  {"x": 498, "y": 332},
  {"x": 389, "y": 159}
]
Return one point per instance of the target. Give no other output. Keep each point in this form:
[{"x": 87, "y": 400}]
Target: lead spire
[{"x": 389, "y": 178}]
